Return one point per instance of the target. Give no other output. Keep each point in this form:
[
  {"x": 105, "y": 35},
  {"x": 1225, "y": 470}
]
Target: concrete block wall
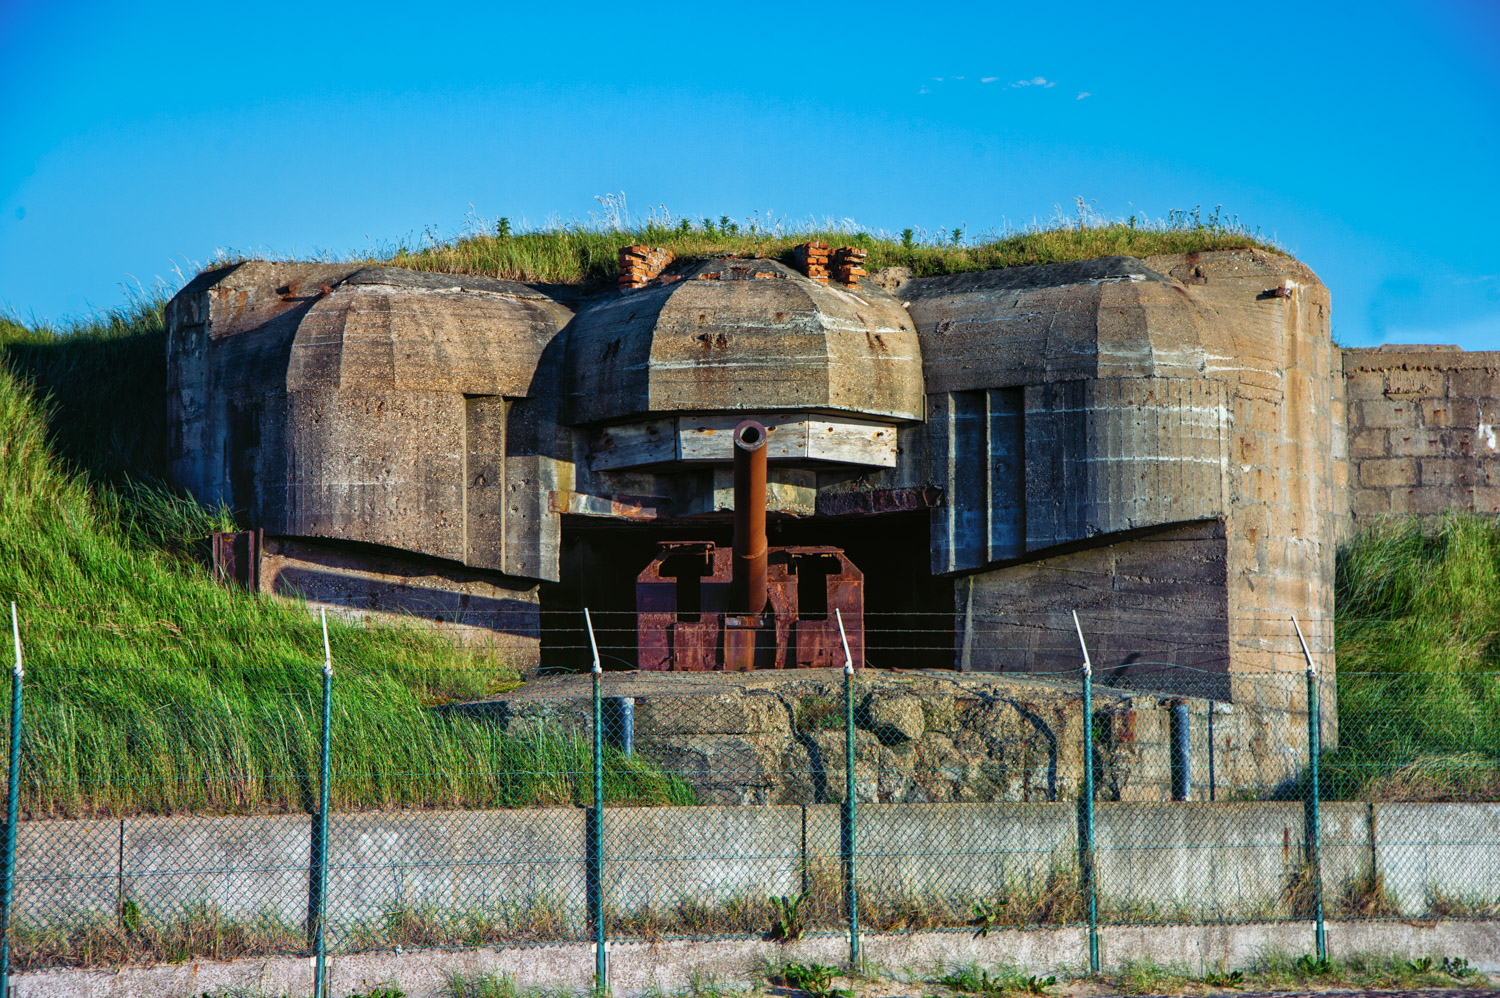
[
  {"x": 454, "y": 861},
  {"x": 659, "y": 855},
  {"x": 255, "y": 866},
  {"x": 1423, "y": 434},
  {"x": 471, "y": 607},
  {"x": 1433, "y": 855},
  {"x": 1176, "y": 862},
  {"x": 958, "y": 851}
]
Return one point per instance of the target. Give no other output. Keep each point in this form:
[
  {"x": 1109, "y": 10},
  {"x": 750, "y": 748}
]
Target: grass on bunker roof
[
  {"x": 150, "y": 689},
  {"x": 585, "y": 254}
]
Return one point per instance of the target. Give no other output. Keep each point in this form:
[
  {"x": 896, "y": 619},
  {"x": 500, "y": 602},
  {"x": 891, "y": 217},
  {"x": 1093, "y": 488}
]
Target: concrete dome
[{"x": 743, "y": 335}]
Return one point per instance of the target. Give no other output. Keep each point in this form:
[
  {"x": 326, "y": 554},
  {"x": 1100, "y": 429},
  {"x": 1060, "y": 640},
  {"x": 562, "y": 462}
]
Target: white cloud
[
  {"x": 1082, "y": 94},
  {"x": 988, "y": 79},
  {"x": 924, "y": 90},
  {"x": 958, "y": 77},
  {"x": 1035, "y": 81}
]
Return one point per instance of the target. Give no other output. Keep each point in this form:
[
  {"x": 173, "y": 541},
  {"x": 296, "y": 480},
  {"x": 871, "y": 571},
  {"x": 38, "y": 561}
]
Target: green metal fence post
[
  {"x": 1314, "y": 825},
  {"x": 851, "y": 892},
  {"x": 13, "y": 806},
  {"x": 1086, "y": 854},
  {"x": 595, "y": 846},
  {"x": 320, "y": 883}
]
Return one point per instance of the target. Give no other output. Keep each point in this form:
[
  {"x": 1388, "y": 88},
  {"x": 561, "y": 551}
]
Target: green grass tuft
[{"x": 1418, "y": 651}]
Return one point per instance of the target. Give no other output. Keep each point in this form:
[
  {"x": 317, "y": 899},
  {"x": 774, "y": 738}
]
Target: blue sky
[{"x": 1364, "y": 137}]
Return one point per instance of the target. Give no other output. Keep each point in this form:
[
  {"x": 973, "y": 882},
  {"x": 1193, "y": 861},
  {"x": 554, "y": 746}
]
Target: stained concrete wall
[
  {"x": 1424, "y": 431},
  {"x": 372, "y": 405},
  {"x": 1438, "y": 857},
  {"x": 469, "y": 606},
  {"x": 1151, "y": 392},
  {"x": 954, "y": 851},
  {"x": 453, "y": 861},
  {"x": 742, "y": 335},
  {"x": 1241, "y": 859},
  {"x": 655, "y": 856},
  {"x": 1175, "y": 861}
]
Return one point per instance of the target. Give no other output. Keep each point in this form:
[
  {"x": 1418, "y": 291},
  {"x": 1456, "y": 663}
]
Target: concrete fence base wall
[{"x": 1176, "y": 862}]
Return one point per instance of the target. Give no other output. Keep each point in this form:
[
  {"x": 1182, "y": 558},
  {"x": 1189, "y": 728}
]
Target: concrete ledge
[{"x": 639, "y": 967}]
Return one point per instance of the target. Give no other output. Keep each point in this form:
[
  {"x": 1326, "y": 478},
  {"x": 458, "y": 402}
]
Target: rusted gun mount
[{"x": 754, "y": 607}]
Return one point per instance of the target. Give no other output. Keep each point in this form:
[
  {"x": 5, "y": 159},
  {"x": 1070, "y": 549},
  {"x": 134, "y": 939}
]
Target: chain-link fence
[{"x": 608, "y": 805}]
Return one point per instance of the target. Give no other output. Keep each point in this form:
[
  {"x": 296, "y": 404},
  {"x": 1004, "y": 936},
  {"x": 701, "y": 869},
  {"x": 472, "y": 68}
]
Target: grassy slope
[
  {"x": 149, "y": 688},
  {"x": 1419, "y": 661}
]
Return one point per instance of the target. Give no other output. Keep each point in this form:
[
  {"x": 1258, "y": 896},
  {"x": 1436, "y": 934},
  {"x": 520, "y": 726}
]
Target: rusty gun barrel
[{"x": 748, "y": 586}]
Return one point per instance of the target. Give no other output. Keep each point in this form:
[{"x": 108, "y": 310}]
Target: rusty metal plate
[
  {"x": 236, "y": 557},
  {"x": 684, "y": 621}
]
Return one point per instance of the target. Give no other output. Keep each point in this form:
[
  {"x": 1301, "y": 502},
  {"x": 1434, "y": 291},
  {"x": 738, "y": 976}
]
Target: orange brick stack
[
  {"x": 849, "y": 265},
  {"x": 812, "y": 260},
  {"x": 640, "y": 264}
]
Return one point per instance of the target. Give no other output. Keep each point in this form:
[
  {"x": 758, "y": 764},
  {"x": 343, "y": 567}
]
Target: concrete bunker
[{"x": 1156, "y": 444}]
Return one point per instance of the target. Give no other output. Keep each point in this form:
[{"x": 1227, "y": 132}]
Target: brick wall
[{"x": 1424, "y": 430}]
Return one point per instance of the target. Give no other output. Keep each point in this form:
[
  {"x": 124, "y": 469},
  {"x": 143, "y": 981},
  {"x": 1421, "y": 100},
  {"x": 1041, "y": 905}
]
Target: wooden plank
[
  {"x": 849, "y": 441},
  {"x": 793, "y": 436},
  {"x": 633, "y": 444},
  {"x": 711, "y": 438}
]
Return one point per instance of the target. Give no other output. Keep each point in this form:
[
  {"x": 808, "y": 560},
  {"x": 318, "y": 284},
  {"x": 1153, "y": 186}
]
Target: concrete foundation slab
[{"x": 637, "y": 968}]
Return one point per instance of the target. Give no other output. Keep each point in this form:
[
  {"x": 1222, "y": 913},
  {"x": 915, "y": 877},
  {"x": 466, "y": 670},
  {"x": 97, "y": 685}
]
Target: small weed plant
[
  {"x": 1222, "y": 979},
  {"x": 814, "y": 978},
  {"x": 1313, "y": 966},
  {"x": 976, "y": 981},
  {"x": 1458, "y": 968},
  {"x": 986, "y": 916},
  {"x": 1002, "y": 980},
  {"x": 786, "y": 918}
]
